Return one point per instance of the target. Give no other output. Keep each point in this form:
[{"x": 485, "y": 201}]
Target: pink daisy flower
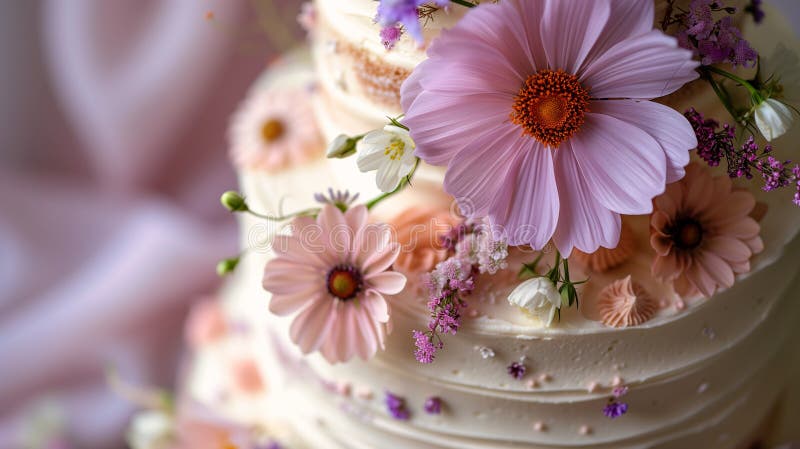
[
  {"x": 273, "y": 130},
  {"x": 334, "y": 272},
  {"x": 703, "y": 234},
  {"x": 539, "y": 110}
]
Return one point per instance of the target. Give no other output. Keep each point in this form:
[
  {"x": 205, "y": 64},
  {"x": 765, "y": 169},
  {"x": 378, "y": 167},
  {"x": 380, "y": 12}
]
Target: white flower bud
[
  {"x": 341, "y": 147},
  {"x": 539, "y": 297},
  {"x": 773, "y": 118}
]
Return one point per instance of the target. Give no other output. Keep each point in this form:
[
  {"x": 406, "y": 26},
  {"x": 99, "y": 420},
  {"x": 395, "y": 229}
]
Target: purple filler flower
[
  {"x": 715, "y": 41},
  {"x": 615, "y": 409},
  {"x": 392, "y": 13},
  {"x": 516, "y": 370},
  {"x": 433, "y": 405},
  {"x": 390, "y": 36},
  {"x": 755, "y": 8},
  {"x": 397, "y": 407}
]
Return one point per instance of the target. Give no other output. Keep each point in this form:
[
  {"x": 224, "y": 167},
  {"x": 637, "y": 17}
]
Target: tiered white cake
[{"x": 705, "y": 374}]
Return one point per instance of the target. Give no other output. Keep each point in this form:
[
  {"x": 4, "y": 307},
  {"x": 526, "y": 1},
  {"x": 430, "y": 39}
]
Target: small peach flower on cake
[
  {"x": 420, "y": 234},
  {"x": 540, "y": 110},
  {"x": 273, "y": 129},
  {"x": 334, "y": 272},
  {"x": 206, "y": 323},
  {"x": 702, "y": 233}
]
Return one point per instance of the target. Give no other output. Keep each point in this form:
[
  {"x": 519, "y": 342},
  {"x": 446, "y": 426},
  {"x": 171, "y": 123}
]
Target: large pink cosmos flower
[
  {"x": 333, "y": 270},
  {"x": 539, "y": 110}
]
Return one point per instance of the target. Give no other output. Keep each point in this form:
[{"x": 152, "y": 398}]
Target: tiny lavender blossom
[
  {"x": 756, "y": 9},
  {"x": 516, "y": 370},
  {"x": 397, "y": 407},
  {"x": 405, "y": 13},
  {"x": 713, "y": 41},
  {"x": 615, "y": 409},
  {"x": 390, "y": 36},
  {"x": 433, "y": 405},
  {"x": 339, "y": 198},
  {"x": 715, "y": 144}
]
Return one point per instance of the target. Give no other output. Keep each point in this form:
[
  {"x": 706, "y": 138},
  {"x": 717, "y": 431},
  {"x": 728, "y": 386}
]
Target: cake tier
[{"x": 709, "y": 375}]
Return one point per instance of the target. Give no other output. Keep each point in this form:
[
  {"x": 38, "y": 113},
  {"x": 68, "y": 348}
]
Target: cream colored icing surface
[{"x": 707, "y": 376}]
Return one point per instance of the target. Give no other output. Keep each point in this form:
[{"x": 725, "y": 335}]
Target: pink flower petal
[
  {"x": 439, "y": 135},
  {"x": 310, "y": 328},
  {"x": 636, "y": 68},
  {"x": 473, "y": 177},
  {"x": 336, "y": 231},
  {"x": 387, "y": 282},
  {"x": 376, "y": 305},
  {"x": 377, "y": 252},
  {"x": 533, "y": 198},
  {"x": 716, "y": 268},
  {"x": 368, "y": 344},
  {"x": 583, "y": 223},
  {"x": 624, "y": 165},
  {"x": 728, "y": 248},
  {"x": 627, "y": 19},
  {"x": 667, "y": 126},
  {"x": 569, "y": 32},
  {"x": 289, "y": 303}
]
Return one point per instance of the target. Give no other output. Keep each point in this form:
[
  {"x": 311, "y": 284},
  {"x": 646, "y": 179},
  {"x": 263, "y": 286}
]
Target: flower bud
[
  {"x": 539, "y": 297},
  {"x": 227, "y": 266},
  {"x": 233, "y": 201},
  {"x": 342, "y": 146},
  {"x": 773, "y": 118}
]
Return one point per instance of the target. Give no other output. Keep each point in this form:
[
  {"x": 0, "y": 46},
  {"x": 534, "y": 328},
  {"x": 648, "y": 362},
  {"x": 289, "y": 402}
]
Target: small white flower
[
  {"x": 151, "y": 429},
  {"x": 341, "y": 147},
  {"x": 390, "y": 151},
  {"x": 538, "y": 296},
  {"x": 773, "y": 118}
]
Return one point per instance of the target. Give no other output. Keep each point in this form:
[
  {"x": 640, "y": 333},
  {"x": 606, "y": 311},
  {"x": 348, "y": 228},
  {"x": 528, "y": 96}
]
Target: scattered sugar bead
[
  {"x": 539, "y": 426},
  {"x": 343, "y": 388},
  {"x": 363, "y": 392},
  {"x": 585, "y": 430},
  {"x": 544, "y": 377},
  {"x": 473, "y": 313},
  {"x": 532, "y": 384},
  {"x": 702, "y": 388},
  {"x": 486, "y": 353},
  {"x": 592, "y": 387},
  {"x": 616, "y": 382}
]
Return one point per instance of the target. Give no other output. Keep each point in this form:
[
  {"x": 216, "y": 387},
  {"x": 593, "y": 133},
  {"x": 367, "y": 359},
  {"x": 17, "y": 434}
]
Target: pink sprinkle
[
  {"x": 539, "y": 426},
  {"x": 592, "y": 387},
  {"x": 680, "y": 304},
  {"x": 616, "y": 382},
  {"x": 532, "y": 384},
  {"x": 585, "y": 430},
  {"x": 473, "y": 313},
  {"x": 545, "y": 377},
  {"x": 343, "y": 388}
]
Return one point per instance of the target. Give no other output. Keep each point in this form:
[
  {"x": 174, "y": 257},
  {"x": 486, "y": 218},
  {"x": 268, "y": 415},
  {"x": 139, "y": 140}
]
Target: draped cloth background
[
  {"x": 112, "y": 157},
  {"x": 112, "y": 124}
]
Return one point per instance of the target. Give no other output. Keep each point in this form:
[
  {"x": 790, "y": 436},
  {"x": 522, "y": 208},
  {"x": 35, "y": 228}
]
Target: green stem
[
  {"x": 312, "y": 211},
  {"x": 464, "y": 3},
  {"x": 405, "y": 181},
  {"x": 743, "y": 82},
  {"x": 723, "y": 97}
]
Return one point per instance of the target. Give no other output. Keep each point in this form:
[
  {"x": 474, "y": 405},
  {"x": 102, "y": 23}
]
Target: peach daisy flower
[
  {"x": 273, "y": 130},
  {"x": 334, "y": 271},
  {"x": 702, "y": 233}
]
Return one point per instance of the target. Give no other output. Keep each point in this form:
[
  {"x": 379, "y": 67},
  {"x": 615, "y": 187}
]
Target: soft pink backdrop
[{"x": 112, "y": 123}]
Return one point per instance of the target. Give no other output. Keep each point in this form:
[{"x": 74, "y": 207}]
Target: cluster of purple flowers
[
  {"x": 474, "y": 251},
  {"x": 615, "y": 408},
  {"x": 713, "y": 40},
  {"x": 715, "y": 143},
  {"x": 394, "y": 16},
  {"x": 397, "y": 407}
]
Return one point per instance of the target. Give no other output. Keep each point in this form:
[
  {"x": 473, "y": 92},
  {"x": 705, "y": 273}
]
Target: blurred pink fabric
[{"x": 113, "y": 156}]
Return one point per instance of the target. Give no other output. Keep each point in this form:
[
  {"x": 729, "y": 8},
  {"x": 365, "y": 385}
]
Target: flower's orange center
[
  {"x": 271, "y": 130},
  {"x": 344, "y": 282},
  {"x": 551, "y": 106},
  {"x": 688, "y": 234}
]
